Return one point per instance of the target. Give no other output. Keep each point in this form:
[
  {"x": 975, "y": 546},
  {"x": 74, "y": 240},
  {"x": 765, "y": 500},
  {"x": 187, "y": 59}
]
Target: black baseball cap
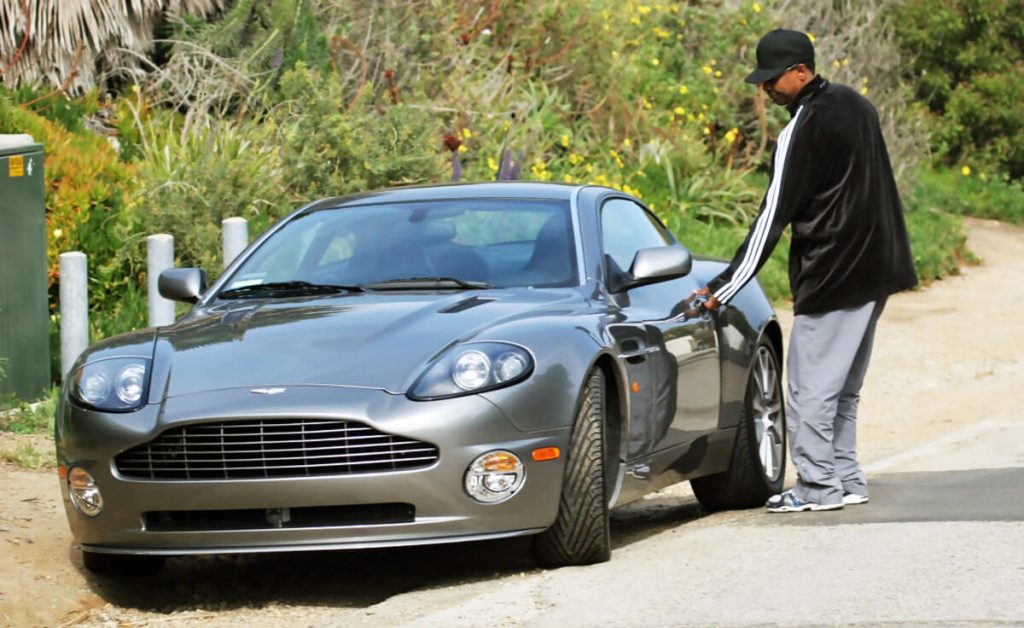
[{"x": 778, "y": 50}]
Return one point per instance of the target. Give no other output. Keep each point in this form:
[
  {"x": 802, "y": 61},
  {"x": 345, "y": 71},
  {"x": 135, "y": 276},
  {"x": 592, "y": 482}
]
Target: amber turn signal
[{"x": 546, "y": 453}]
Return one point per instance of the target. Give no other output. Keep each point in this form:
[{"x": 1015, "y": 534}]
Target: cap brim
[{"x": 760, "y": 76}]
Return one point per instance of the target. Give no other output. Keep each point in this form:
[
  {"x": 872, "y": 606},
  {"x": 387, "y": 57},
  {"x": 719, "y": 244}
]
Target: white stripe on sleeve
[{"x": 755, "y": 248}]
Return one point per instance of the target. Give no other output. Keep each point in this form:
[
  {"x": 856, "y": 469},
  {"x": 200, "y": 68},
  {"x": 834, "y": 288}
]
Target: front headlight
[
  {"x": 472, "y": 368},
  {"x": 115, "y": 384}
]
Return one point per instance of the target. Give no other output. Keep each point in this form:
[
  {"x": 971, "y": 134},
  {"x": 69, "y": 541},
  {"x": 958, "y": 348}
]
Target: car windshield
[{"x": 439, "y": 245}]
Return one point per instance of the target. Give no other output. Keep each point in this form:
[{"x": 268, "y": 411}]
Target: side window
[{"x": 626, "y": 228}]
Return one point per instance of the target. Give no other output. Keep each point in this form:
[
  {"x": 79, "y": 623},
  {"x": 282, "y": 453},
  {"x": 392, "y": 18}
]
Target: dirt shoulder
[{"x": 945, "y": 357}]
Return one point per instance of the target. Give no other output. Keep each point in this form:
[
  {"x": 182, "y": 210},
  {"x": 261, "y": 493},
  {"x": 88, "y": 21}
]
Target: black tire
[
  {"x": 122, "y": 564},
  {"x": 581, "y": 534},
  {"x": 747, "y": 483}
]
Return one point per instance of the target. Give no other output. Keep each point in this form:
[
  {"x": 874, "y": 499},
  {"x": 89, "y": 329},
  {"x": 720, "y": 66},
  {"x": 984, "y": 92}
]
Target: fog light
[
  {"x": 85, "y": 495},
  {"x": 495, "y": 476}
]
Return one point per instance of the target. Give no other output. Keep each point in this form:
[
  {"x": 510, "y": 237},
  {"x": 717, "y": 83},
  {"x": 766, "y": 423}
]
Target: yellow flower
[
  {"x": 982, "y": 176},
  {"x": 634, "y": 20},
  {"x": 58, "y": 233},
  {"x": 731, "y": 135},
  {"x": 565, "y": 139},
  {"x": 836, "y": 64},
  {"x": 466, "y": 134},
  {"x": 135, "y": 88},
  {"x": 966, "y": 171},
  {"x": 864, "y": 81},
  {"x": 846, "y": 61},
  {"x": 707, "y": 69},
  {"x": 607, "y": 28},
  {"x": 679, "y": 111},
  {"x": 647, "y": 104},
  {"x": 606, "y": 15},
  {"x": 756, "y": 7},
  {"x": 615, "y": 54},
  {"x": 811, "y": 37},
  {"x": 643, "y": 9},
  {"x": 661, "y": 32},
  {"x": 462, "y": 148},
  {"x": 864, "y": 91},
  {"x": 567, "y": 178},
  {"x": 718, "y": 74},
  {"x": 683, "y": 89},
  {"x": 655, "y": 62},
  {"x": 627, "y": 142},
  {"x": 492, "y": 165},
  {"x": 575, "y": 158}
]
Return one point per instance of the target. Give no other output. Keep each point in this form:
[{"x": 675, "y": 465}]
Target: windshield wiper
[
  {"x": 286, "y": 289},
  {"x": 428, "y": 283}
]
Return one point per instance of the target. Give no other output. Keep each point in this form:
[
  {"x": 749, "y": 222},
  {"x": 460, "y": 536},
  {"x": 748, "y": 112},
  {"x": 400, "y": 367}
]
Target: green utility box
[{"x": 24, "y": 314}]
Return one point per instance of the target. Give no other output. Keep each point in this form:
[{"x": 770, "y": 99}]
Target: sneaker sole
[
  {"x": 853, "y": 499},
  {"x": 805, "y": 507}
]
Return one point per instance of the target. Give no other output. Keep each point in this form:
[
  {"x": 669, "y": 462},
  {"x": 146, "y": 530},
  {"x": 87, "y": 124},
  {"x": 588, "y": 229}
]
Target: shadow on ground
[{"x": 356, "y": 578}]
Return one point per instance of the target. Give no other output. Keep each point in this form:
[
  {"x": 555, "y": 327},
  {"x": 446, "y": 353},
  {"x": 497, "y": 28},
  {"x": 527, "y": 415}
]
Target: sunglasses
[{"x": 772, "y": 81}]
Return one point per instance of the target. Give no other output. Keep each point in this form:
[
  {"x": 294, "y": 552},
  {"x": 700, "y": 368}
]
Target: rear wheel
[
  {"x": 581, "y": 534},
  {"x": 759, "y": 456},
  {"x": 122, "y": 564}
]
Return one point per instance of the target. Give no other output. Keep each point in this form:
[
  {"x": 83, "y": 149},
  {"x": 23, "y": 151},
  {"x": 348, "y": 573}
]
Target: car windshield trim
[
  {"x": 428, "y": 283},
  {"x": 280, "y": 289}
]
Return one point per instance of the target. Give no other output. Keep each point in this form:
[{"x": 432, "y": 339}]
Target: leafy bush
[
  {"x": 965, "y": 57},
  {"x": 970, "y": 193},
  {"x": 86, "y": 188}
]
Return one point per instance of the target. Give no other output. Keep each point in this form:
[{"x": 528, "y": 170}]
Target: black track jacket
[{"x": 832, "y": 180}]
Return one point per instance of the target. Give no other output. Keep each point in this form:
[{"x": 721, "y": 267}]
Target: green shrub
[
  {"x": 965, "y": 56},
  {"x": 193, "y": 177},
  {"x": 328, "y": 150},
  {"x": 971, "y": 193}
]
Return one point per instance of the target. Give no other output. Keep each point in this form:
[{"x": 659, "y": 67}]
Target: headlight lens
[
  {"x": 473, "y": 368},
  {"x": 117, "y": 384},
  {"x": 494, "y": 477}
]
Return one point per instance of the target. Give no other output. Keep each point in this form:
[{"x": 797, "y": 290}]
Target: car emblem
[{"x": 268, "y": 391}]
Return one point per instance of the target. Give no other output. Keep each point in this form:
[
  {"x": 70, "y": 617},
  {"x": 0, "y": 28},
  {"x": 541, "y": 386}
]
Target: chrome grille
[{"x": 272, "y": 448}]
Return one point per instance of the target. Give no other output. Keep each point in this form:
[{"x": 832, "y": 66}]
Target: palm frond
[{"x": 112, "y": 33}]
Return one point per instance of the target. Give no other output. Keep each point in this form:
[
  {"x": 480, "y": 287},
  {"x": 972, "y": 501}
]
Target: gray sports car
[{"x": 424, "y": 365}]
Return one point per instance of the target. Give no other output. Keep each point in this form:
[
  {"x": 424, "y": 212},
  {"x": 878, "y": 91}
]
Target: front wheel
[
  {"x": 581, "y": 533},
  {"x": 758, "y": 462}
]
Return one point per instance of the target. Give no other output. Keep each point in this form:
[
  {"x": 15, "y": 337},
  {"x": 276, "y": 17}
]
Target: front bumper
[{"x": 462, "y": 429}]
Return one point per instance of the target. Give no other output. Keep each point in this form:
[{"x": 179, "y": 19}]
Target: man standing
[{"x": 832, "y": 181}]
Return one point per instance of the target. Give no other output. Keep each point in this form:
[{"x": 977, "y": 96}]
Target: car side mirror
[
  {"x": 653, "y": 265},
  {"x": 182, "y": 284}
]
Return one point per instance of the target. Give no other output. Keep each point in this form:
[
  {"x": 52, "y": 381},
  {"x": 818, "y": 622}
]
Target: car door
[{"x": 669, "y": 349}]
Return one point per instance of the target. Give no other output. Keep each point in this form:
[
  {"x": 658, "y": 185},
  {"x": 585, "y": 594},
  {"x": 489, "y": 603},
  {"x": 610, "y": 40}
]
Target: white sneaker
[{"x": 852, "y": 499}]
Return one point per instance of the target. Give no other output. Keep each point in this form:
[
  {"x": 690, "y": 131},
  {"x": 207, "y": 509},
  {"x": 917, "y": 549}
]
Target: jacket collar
[{"x": 808, "y": 93}]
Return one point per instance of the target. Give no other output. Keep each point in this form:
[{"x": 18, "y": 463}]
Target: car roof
[{"x": 496, "y": 189}]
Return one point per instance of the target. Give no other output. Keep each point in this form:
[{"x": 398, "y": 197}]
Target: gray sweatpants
[{"x": 828, "y": 356}]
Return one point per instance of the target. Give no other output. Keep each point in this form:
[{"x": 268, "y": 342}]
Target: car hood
[{"x": 370, "y": 340}]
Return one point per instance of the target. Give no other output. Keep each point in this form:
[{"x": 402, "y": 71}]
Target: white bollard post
[
  {"x": 74, "y": 308},
  {"x": 234, "y": 238},
  {"x": 159, "y": 257}
]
